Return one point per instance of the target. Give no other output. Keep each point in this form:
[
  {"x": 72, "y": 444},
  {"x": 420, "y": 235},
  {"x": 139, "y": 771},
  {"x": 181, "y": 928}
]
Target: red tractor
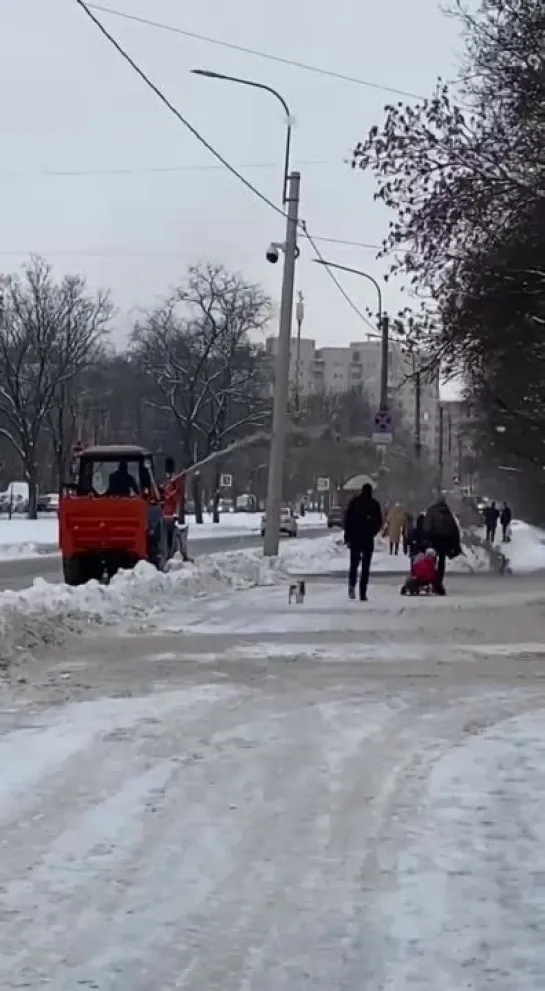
[{"x": 115, "y": 514}]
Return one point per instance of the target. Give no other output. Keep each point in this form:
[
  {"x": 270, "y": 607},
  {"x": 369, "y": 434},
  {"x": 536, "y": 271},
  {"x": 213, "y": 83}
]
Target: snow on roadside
[
  {"x": 22, "y": 538},
  {"x": 46, "y": 614},
  {"x": 526, "y": 552}
]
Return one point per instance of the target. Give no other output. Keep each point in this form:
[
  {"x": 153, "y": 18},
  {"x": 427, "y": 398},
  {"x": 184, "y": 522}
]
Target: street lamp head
[{"x": 206, "y": 72}]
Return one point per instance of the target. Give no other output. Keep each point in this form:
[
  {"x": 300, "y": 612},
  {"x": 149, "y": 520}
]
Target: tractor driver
[{"x": 121, "y": 482}]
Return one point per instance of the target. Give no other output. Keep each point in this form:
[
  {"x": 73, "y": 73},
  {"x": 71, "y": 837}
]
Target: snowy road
[{"x": 260, "y": 798}]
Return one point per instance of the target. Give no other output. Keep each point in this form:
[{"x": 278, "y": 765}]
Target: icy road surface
[{"x": 264, "y": 798}]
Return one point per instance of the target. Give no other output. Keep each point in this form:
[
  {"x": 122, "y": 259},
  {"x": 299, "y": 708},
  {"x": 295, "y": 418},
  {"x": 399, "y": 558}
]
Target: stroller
[{"x": 423, "y": 574}]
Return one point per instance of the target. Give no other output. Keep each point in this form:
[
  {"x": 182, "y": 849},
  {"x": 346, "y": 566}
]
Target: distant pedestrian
[
  {"x": 408, "y": 525},
  {"x": 394, "y": 527},
  {"x": 491, "y": 516},
  {"x": 362, "y": 523},
  {"x": 443, "y": 534},
  {"x": 506, "y": 517}
]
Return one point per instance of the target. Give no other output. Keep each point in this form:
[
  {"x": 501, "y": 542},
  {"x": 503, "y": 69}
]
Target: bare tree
[
  {"x": 49, "y": 333},
  {"x": 204, "y": 368}
]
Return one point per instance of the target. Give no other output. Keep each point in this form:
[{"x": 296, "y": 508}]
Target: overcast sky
[{"x": 71, "y": 104}]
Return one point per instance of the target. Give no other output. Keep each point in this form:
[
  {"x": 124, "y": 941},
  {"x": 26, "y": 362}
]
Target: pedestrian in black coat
[
  {"x": 362, "y": 523},
  {"x": 506, "y": 517},
  {"x": 443, "y": 534},
  {"x": 491, "y": 516}
]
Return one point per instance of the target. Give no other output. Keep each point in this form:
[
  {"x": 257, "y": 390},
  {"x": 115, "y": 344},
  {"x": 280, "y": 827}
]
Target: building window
[{"x": 356, "y": 356}]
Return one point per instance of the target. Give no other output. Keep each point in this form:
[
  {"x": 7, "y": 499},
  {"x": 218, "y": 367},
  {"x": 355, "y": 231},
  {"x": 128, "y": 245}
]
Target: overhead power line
[
  {"x": 146, "y": 169},
  {"x": 183, "y": 120},
  {"x": 152, "y": 253},
  {"x": 306, "y": 67},
  {"x": 174, "y": 110}
]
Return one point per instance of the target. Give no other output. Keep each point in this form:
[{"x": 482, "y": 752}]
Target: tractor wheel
[{"x": 74, "y": 571}]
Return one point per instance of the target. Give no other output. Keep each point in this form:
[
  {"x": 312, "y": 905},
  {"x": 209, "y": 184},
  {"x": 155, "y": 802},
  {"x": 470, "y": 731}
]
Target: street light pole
[
  {"x": 441, "y": 446},
  {"x": 267, "y": 89},
  {"x": 299, "y": 316},
  {"x": 417, "y": 407},
  {"x": 290, "y": 198},
  {"x": 383, "y": 324},
  {"x": 282, "y": 375}
]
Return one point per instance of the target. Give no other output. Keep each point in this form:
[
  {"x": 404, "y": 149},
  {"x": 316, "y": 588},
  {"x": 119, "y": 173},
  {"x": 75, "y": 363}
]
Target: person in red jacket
[
  {"x": 423, "y": 574},
  {"x": 172, "y": 499}
]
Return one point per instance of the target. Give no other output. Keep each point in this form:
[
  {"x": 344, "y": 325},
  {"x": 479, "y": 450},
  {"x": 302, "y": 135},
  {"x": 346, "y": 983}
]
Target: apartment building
[{"x": 337, "y": 369}]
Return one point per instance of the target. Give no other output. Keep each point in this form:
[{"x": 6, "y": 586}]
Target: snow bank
[
  {"x": 526, "y": 552},
  {"x": 28, "y": 538},
  {"x": 45, "y": 615},
  {"x": 328, "y": 555}
]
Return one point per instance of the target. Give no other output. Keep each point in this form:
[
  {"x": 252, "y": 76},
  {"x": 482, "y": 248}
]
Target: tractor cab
[{"x": 115, "y": 471}]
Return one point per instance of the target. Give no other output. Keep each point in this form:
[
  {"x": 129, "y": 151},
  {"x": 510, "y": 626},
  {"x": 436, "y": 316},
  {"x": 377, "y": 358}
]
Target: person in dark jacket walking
[
  {"x": 491, "y": 516},
  {"x": 362, "y": 523},
  {"x": 417, "y": 541},
  {"x": 505, "y": 519},
  {"x": 443, "y": 534}
]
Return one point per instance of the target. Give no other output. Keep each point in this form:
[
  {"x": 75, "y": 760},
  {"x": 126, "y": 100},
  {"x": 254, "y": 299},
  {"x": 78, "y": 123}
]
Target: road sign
[
  {"x": 322, "y": 484},
  {"x": 226, "y": 481},
  {"x": 383, "y": 432}
]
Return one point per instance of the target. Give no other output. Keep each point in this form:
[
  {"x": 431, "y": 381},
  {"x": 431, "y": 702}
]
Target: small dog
[{"x": 297, "y": 591}]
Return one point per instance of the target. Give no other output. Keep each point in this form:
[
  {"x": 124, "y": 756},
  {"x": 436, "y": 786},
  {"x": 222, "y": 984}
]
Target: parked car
[
  {"x": 335, "y": 517},
  {"x": 245, "y": 503},
  {"x": 48, "y": 502},
  {"x": 288, "y": 523}
]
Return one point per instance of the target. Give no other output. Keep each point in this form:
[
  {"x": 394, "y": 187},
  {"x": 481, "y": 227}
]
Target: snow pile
[
  {"x": 46, "y": 614},
  {"x": 526, "y": 552}
]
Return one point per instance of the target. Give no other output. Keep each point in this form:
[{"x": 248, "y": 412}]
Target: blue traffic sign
[{"x": 383, "y": 421}]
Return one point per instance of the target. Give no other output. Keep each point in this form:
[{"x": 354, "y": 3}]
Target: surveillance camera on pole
[{"x": 273, "y": 251}]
